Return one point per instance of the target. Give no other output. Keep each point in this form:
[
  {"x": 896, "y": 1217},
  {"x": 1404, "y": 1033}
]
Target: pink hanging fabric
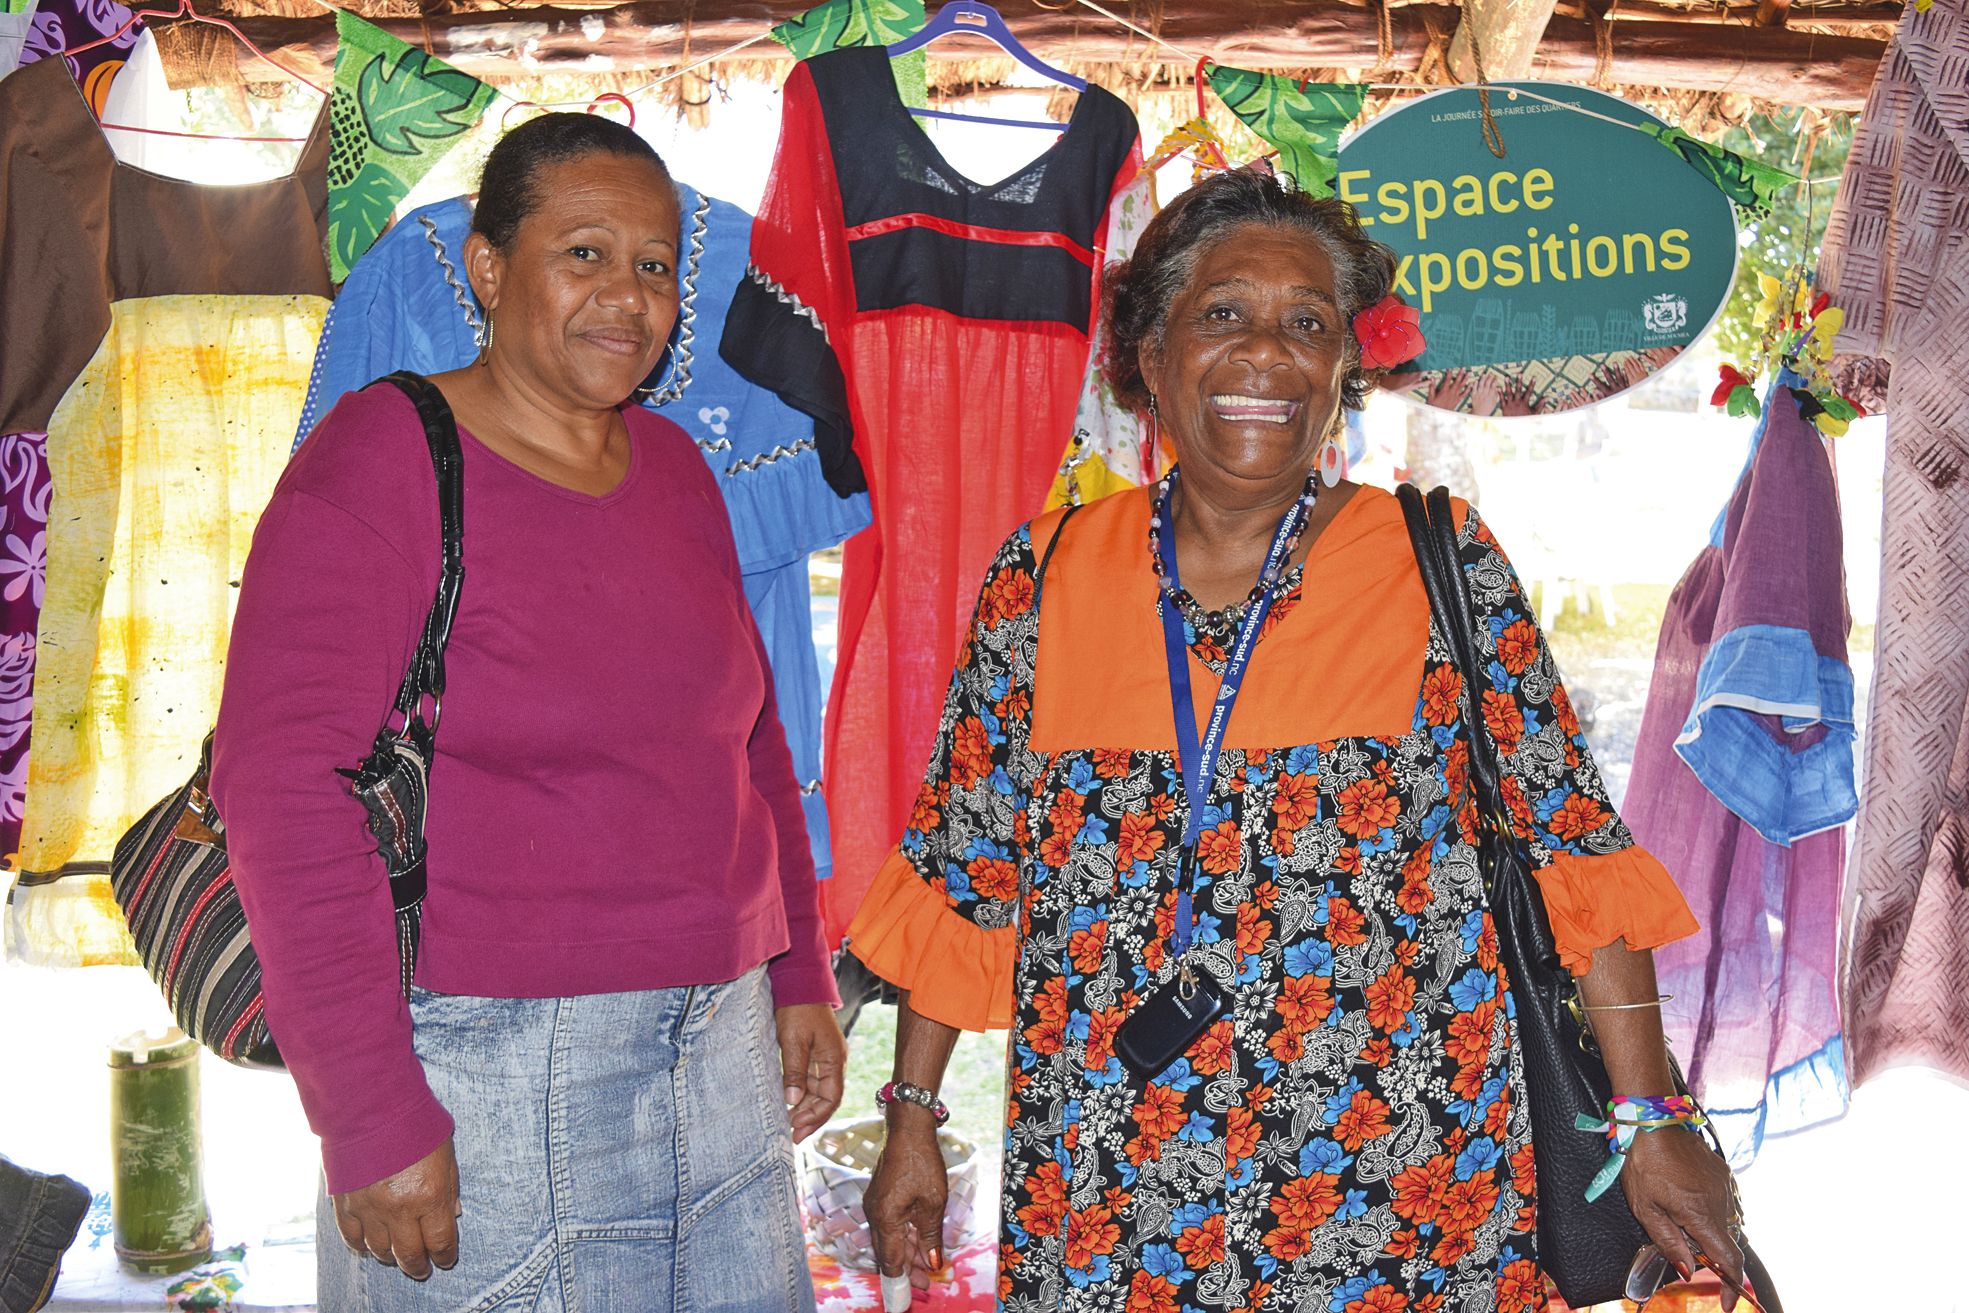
[
  {"x": 937, "y": 330},
  {"x": 1896, "y": 257}
]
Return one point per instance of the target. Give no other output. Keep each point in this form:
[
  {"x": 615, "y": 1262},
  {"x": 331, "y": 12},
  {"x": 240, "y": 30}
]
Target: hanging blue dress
[{"x": 406, "y": 305}]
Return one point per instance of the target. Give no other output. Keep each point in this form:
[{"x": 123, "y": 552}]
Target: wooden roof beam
[
  {"x": 1832, "y": 72},
  {"x": 1826, "y": 16}
]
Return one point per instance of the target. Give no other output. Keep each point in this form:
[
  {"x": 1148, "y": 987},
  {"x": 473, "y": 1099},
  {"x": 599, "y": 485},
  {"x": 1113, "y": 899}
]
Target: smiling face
[
  {"x": 583, "y": 297},
  {"x": 1247, "y": 370}
]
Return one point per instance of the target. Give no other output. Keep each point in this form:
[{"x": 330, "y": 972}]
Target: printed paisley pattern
[
  {"x": 1353, "y": 1138},
  {"x": 25, "y": 491}
]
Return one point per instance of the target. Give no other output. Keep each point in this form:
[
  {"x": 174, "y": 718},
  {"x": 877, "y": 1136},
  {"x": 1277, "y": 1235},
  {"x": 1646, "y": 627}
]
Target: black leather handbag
[
  {"x": 171, "y": 873},
  {"x": 1587, "y": 1248}
]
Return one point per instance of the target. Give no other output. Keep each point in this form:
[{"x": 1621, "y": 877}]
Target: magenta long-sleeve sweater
[{"x": 613, "y": 806}]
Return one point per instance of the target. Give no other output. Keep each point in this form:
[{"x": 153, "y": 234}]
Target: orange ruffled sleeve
[
  {"x": 1594, "y": 900},
  {"x": 955, "y": 971}
]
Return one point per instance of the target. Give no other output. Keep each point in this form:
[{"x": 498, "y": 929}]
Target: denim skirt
[{"x": 616, "y": 1152}]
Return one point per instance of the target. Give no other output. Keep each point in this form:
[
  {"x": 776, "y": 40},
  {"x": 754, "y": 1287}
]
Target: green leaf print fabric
[
  {"x": 840, "y": 24},
  {"x": 1302, "y": 123},
  {"x": 1751, "y": 186},
  {"x": 395, "y": 111},
  {"x": 835, "y": 24}
]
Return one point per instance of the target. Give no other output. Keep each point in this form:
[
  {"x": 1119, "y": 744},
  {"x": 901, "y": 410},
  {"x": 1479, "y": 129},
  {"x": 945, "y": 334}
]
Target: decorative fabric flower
[
  {"x": 1389, "y": 333},
  {"x": 1826, "y": 325},
  {"x": 1772, "y": 289},
  {"x": 1735, "y": 393},
  {"x": 1729, "y": 379},
  {"x": 1832, "y": 414}
]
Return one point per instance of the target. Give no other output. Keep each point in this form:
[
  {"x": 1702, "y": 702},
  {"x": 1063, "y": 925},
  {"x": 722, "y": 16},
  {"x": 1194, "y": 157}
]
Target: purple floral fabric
[
  {"x": 59, "y": 24},
  {"x": 25, "y": 489}
]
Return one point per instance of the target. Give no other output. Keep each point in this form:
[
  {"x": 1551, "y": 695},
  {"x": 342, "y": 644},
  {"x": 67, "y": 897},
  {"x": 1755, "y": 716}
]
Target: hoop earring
[{"x": 484, "y": 336}]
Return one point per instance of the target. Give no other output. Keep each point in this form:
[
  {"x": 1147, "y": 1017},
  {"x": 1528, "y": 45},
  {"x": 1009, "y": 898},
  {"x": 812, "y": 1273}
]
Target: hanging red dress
[{"x": 937, "y": 330}]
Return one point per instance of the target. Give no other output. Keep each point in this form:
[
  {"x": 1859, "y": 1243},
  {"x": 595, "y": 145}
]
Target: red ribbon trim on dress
[{"x": 971, "y": 232}]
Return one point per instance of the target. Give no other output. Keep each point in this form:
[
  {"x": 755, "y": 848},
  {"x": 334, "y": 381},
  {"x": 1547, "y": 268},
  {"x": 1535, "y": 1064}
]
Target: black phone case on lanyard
[{"x": 1162, "y": 1029}]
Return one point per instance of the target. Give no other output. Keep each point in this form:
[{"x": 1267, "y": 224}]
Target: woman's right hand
[
  {"x": 905, "y": 1197},
  {"x": 409, "y": 1220}
]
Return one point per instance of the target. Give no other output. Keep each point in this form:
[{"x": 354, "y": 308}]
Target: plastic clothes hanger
[
  {"x": 585, "y": 106},
  {"x": 975, "y": 18},
  {"x": 184, "y": 10}
]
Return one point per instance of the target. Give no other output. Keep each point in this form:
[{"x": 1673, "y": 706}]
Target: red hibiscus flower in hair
[{"x": 1389, "y": 333}]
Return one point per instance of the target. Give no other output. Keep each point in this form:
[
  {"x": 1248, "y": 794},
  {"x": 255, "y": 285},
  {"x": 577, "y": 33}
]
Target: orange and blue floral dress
[{"x": 1352, "y": 1136}]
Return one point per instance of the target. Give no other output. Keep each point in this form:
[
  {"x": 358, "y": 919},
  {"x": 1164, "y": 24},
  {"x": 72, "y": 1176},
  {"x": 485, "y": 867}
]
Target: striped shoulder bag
[{"x": 172, "y": 877}]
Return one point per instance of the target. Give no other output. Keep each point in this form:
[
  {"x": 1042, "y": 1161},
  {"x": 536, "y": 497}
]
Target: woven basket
[{"x": 834, "y": 1172}]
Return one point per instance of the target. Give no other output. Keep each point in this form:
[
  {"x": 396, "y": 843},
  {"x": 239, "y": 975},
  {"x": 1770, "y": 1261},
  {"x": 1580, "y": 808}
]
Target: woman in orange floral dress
[{"x": 1350, "y": 1134}]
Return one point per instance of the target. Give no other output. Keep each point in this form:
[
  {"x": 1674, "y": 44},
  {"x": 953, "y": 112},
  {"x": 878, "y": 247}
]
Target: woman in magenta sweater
[{"x": 623, "y": 1006}]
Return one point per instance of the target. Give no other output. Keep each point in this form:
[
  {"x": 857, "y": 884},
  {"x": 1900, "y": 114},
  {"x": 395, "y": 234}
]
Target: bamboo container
[{"x": 157, "y": 1201}]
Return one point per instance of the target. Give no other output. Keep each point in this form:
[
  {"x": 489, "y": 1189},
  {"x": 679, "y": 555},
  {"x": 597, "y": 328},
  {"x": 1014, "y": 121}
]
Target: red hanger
[
  {"x": 195, "y": 136},
  {"x": 184, "y": 10},
  {"x": 1203, "y": 112},
  {"x": 550, "y": 105}
]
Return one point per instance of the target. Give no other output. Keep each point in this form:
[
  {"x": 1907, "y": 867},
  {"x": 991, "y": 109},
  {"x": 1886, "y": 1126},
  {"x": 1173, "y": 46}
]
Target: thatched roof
[{"x": 1711, "y": 57}]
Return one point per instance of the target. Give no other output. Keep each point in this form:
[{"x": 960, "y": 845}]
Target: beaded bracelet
[
  {"x": 900, "y": 1091},
  {"x": 1627, "y": 1116}
]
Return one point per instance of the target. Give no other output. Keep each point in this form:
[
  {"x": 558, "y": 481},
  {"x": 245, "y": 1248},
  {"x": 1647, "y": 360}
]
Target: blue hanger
[{"x": 975, "y": 18}]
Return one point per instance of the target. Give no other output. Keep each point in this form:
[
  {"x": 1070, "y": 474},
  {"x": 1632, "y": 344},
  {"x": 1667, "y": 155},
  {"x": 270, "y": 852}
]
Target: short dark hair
[
  {"x": 509, "y": 187},
  {"x": 1140, "y": 290}
]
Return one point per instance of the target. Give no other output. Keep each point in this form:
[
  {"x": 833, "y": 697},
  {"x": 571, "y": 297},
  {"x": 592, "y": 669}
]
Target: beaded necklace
[{"x": 1220, "y": 625}]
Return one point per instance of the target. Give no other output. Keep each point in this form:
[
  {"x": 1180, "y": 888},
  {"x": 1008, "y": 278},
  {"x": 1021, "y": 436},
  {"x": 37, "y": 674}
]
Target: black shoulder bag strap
[
  {"x": 1518, "y": 905},
  {"x": 392, "y": 782},
  {"x": 426, "y": 674},
  {"x": 1587, "y": 1244},
  {"x": 1432, "y": 534},
  {"x": 1038, "y": 592}
]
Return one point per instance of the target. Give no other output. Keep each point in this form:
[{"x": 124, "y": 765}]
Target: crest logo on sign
[{"x": 1666, "y": 313}]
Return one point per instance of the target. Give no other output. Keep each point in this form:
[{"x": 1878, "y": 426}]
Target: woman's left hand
[
  {"x": 1680, "y": 1191},
  {"x": 813, "y": 1055}
]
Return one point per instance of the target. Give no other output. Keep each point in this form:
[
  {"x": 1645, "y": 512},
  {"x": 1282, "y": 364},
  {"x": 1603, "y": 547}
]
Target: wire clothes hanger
[
  {"x": 184, "y": 10},
  {"x": 975, "y": 18}
]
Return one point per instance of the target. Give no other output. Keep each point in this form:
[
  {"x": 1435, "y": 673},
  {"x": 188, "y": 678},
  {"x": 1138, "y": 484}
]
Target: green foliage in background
[{"x": 1795, "y": 226}]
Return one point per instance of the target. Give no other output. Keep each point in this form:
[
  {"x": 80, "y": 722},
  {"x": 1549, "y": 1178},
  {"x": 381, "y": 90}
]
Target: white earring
[{"x": 1332, "y": 462}]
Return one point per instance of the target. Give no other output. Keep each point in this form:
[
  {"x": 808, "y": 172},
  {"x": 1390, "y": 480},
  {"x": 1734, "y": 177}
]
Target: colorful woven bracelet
[
  {"x": 1627, "y": 1116},
  {"x": 898, "y": 1091}
]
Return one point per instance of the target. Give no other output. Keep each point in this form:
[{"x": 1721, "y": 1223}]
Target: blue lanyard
[{"x": 1198, "y": 760}]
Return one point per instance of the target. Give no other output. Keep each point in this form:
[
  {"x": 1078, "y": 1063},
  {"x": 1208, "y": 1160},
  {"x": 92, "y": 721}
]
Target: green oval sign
[{"x": 1584, "y": 260}]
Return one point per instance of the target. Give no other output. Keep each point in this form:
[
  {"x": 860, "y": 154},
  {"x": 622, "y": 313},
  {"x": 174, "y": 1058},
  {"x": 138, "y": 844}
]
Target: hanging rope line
[
  {"x": 1492, "y": 137},
  {"x": 1385, "y": 52},
  {"x": 1189, "y": 56}
]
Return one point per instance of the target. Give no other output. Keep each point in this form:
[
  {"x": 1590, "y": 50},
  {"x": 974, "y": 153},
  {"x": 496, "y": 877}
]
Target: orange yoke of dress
[{"x": 1344, "y": 660}]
